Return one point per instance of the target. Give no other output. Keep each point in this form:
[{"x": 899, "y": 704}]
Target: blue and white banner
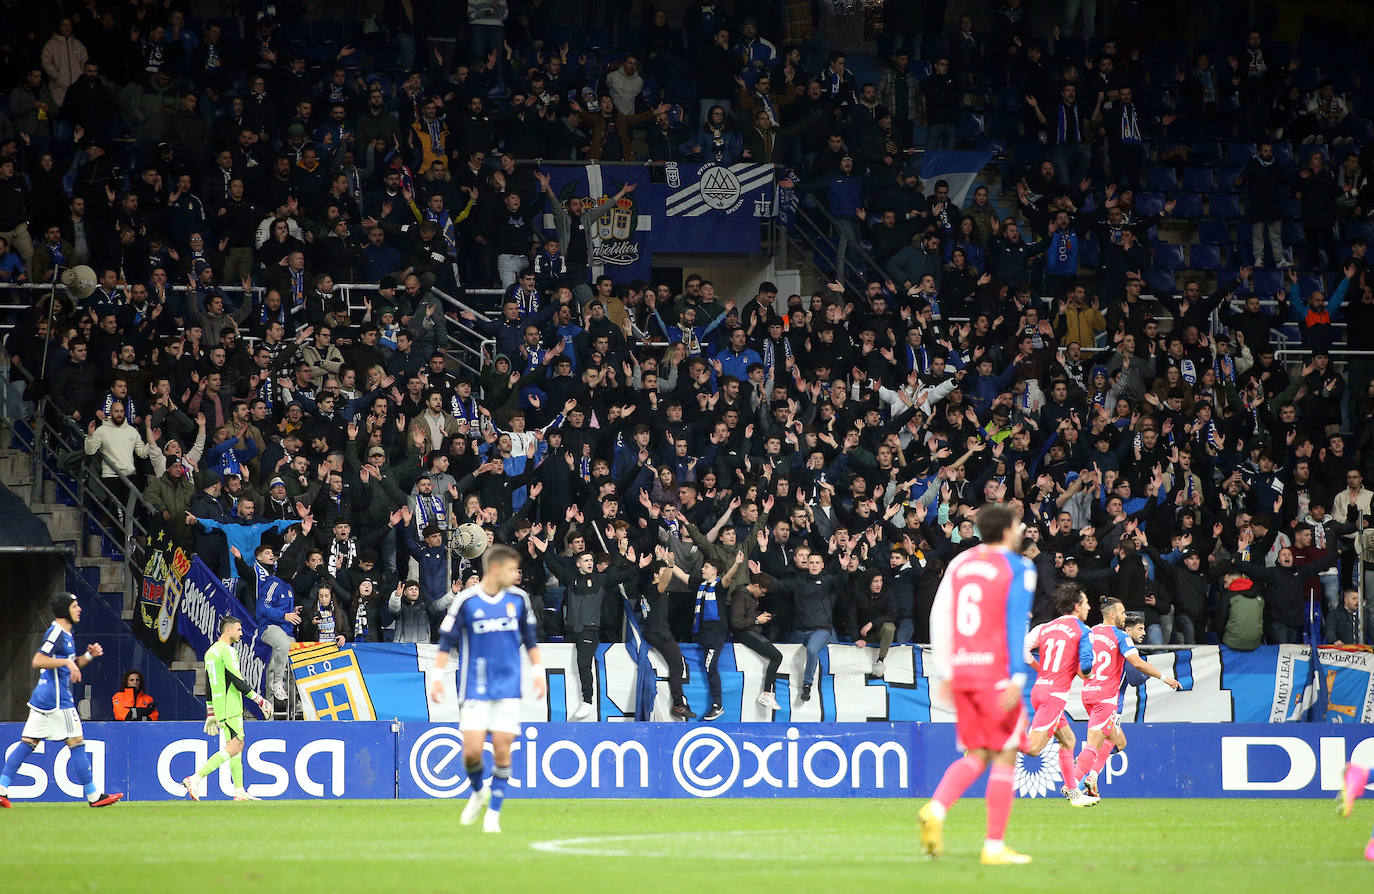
[
  {"x": 200, "y": 604},
  {"x": 1269, "y": 685},
  {"x": 713, "y": 208},
  {"x": 958, "y": 169},
  {"x": 381, "y": 760},
  {"x": 147, "y": 761},
  {"x": 622, "y": 237}
]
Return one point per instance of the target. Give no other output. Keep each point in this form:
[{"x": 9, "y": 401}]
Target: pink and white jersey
[
  {"x": 1065, "y": 651},
  {"x": 1111, "y": 646},
  {"x": 978, "y": 621}
]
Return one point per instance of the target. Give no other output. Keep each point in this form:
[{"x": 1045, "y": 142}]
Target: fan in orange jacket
[{"x": 131, "y": 702}]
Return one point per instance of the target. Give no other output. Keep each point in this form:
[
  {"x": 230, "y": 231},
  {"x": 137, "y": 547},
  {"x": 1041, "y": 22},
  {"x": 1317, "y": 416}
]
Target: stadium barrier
[
  {"x": 1273, "y": 684},
  {"x": 383, "y": 760}
]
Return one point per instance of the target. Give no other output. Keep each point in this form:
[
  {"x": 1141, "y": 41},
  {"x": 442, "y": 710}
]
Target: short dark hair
[
  {"x": 228, "y": 621},
  {"x": 1066, "y": 597},
  {"x": 499, "y": 552},
  {"x": 993, "y": 522},
  {"x": 1109, "y": 602}
]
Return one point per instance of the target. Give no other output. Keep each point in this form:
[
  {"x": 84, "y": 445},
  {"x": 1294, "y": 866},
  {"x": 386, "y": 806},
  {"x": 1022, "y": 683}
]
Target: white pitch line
[{"x": 588, "y": 846}]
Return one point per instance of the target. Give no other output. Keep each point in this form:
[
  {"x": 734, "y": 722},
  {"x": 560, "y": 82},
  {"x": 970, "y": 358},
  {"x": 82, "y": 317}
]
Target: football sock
[
  {"x": 998, "y": 799},
  {"x": 956, "y": 781},
  {"x": 18, "y": 755},
  {"x": 1066, "y": 768},
  {"x": 475, "y": 775},
  {"x": 1087, "y": 761},
  {"x": 80, "y": 763},
  {"x": 236, "y": 771},
  {"x": 1104, "y": 754},
  {"x": 500, "y": 779},
  {"x": 213, "y": 764}
]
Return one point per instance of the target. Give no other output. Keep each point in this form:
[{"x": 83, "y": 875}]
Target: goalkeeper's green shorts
[{"x": 232, "y": 729}]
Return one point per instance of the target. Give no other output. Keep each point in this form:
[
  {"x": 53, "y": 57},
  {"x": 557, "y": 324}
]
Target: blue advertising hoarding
[{"x": 376, "y": 759}]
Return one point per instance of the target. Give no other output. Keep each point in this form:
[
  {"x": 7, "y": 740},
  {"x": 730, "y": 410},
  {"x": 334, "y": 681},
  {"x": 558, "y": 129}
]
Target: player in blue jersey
[
  {"x": 52, "y": 710},
  {"x": 488, "y": 622}
]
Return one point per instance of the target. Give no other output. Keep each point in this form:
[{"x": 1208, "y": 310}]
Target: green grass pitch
[{"x": 703, "y": 847}]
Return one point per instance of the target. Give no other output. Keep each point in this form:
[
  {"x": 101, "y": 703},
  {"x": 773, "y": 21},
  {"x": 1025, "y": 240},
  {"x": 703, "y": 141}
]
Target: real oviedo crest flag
[{"x": 621, "y": 236}]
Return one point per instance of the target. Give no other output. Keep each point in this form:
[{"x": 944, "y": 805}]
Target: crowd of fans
[{"x": 789, "y": 467}]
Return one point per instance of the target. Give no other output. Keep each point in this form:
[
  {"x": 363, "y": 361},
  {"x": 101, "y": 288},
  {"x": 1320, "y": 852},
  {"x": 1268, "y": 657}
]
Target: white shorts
[
  {"x": 61, "y": 724},
  {"x": 500, "y": 716}
]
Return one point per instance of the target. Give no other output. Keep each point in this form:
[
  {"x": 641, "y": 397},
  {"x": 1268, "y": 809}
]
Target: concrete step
[
  {"x": 50, "y": 492},
  {"x": 113, "y": 575},
  {"x": 15, "y": 466},
  {"x": 200, "y": 688},
  {"x": 127, "y": 614},
  {"x": 64, "y": 522}
]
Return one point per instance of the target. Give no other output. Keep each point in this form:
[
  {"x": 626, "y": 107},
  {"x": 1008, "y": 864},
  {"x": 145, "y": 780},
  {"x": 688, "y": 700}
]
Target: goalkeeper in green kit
[{"x": 225, "y": 714}]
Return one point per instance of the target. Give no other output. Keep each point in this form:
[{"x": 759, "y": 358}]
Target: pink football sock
[
  {"x": 1104, "y": 754},
  {"x": 998, "y": 798},
  {"x": 1066, "y": 768},
  {"x": 1087, "y": 761},
  {"x": 957, "y": 779}
]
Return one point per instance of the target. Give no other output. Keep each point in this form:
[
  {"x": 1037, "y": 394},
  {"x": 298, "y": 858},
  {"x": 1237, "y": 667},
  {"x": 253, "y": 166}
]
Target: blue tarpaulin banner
[
  {"x": 200, "y": 605},
  {"x": 622, "y": 238},
  {"x": 958, "y": 169},
  {"x": 712, "y": 208},
  {"x": 1273, "y": 684},
  {"x": 383, "y": 760}
]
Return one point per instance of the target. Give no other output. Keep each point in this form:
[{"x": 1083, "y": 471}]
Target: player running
[
  {"x": 224, "y": 717},
  {"x": 1065, "y": 653},
  {"x": 52, "y": 710},
  {"x": 1113, "y": 650},
  {"x": 1354, "y": 784},
  {"x": 977, "y": 633},
  {"x": 488, "y": 622},
  {"x": 1135, "y": 629}
]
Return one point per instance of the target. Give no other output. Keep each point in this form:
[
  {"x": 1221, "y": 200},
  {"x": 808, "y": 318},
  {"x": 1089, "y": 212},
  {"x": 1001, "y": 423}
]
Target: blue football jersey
[
  {"x": 488, "y": 631},
  {"x": 54, "y": 689}
]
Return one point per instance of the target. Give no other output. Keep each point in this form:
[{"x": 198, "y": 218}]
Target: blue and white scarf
[{"x": 707, "y": 608}]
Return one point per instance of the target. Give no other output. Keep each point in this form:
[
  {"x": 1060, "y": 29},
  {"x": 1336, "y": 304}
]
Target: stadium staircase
[{"x": 100, "y": 564}]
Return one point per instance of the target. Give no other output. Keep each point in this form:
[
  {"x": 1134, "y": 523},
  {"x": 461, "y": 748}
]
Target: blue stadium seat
[
  {"x": 1283, "y": 152},
  {"x": 921, "y": 68},
  {"x": 1189, "y": 206},
  {"x": 1241, "y": 254},
  {"x": 1226, "y": 205},
  {"x": 1160, "y": 279},
  {"x": 1292, "y": 207},
  {"x": 1351, "y": 229},
  {"x": 1238, "y": 153},
  {"x": 970, "y": 125},
  {"x": 1293, "y": 234},
  {"x": 1226, "y": 179},
  {"x": 1161, "y": 179},
  {"x": 1267, "y": 281},
  {"x": 1204, "y": 151},
  {"x": 1309, "y": 283},
  {"x": 1149, "y": 203},
  {"x": 1169, "y": 256},
  {"x": 1204, "y": 257},
  {"x": 1199, "y": 180},
  {"x": 1214, "y": 232}
]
